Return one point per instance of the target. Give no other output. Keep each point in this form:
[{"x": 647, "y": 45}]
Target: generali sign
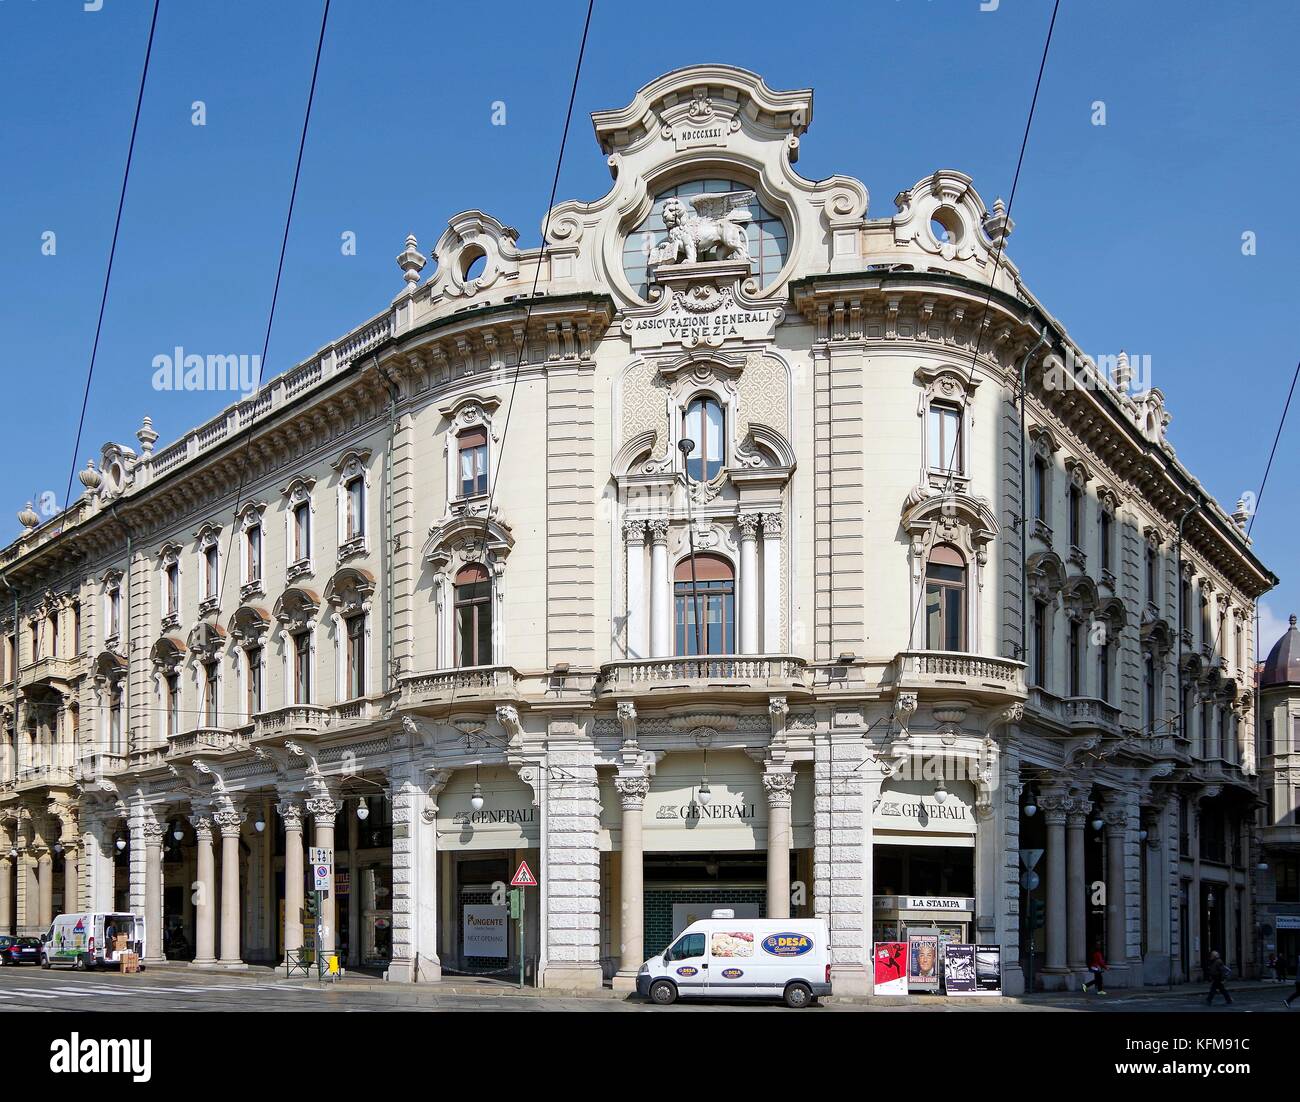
[{"x": 905, "y": 808}]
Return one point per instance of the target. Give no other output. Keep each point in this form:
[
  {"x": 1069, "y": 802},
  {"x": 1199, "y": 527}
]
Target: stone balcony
[
  {"x": 39, "y": 776},
  {"x": 207, "y": 740},
  {"x": 294, "y": 721},
  {"x": 93, "y": 766},
  {"x": 714, "y": 675},
  {"x": 471, "y": 684},
  {"x": 1076, "y": 714},
  {"x": 979, "y": 676},
  {"x": 50, "y": 673}
]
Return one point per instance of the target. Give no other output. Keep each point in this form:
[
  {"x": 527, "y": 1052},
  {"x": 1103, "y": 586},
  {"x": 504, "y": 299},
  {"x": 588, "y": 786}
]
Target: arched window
[
  {"x": 474, "y": 616},
  {"x": 713, "y": 593},
  {"x": 703, "y": 424},
  {"x": 945, "y": 599}
]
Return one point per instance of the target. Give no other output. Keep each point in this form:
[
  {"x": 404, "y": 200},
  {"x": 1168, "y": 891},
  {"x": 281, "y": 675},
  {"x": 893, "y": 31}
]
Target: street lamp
[
  {"x": 178, "y": 831},
  {"x": 259, "y": 825},
  {"x": 1031, "y": 804},
  {"x": 363, "y": 809},
  {"x": 120, "y": 843},
  {"x": 940, "y": 791}
]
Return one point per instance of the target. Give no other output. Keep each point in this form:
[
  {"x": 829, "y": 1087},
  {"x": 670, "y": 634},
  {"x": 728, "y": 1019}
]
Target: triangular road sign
[{"x": 524, "y": 877}]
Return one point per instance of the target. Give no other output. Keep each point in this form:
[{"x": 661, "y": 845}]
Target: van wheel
[
  {"x": 798, "y": 995},
  {"x": 663, "y": 993},
  {"x": 79, "y": 965}
]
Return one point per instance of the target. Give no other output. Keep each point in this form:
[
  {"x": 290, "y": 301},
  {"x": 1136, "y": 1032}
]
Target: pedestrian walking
[
  {"x": 1218, "y": 973},
  {"x": 1097, "y": 966}
]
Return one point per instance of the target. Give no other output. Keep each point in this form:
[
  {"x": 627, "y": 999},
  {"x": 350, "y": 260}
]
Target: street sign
[
  {"x": 1030, "y": 857},
  {"x": 319, "y": 855},
  {"x": 523, "y": 877},
  {"x": 322, "y": 875}
]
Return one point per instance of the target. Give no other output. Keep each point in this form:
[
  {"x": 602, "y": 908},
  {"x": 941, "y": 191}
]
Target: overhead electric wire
[
  {"x": 112, "y": 252},
  {"x": 959, "y": 439},
  {"x": 275, "y": 290}
]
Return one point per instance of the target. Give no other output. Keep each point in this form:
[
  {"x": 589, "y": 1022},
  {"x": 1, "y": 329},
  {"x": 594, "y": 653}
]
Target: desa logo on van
[{"x": 787, "y": 945}]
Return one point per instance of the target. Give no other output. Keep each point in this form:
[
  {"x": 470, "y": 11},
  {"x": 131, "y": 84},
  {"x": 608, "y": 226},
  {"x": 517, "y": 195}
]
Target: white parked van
[
  {"x": 725, "y": 957},
  {"x": 93, "y": 940}
]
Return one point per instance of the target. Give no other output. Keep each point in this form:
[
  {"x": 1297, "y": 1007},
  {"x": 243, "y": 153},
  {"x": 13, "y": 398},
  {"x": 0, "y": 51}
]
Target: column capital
[
  {"x": 632, "y": 788},
  {"x": 229, "y": 822},
  {"x": 323, "y": 809},
  {"x": 748, "y": 523},
  {"x": 1055, "y": 809},
  {"x": 780, "y": 786},
  {"x": 771, "y": 524},
  {"x": 291, "y": 812},
  {"x": 203, "y": 825},
  {"x": 658, "y": 531},
  {"x": 634, "y": 531},
  {"x": 1077, "y": 816}
]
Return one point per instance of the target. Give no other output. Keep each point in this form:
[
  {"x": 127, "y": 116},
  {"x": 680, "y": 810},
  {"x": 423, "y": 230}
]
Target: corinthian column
[
  {"x": 6, "y": 881},
  {"x": 661, "y": 598},
  {"x": 229, "y": 821},
  {"x": 1116, "y": 817},
  {"x": 1076, "y": 887},
  {"x": 153, "y": 897},
  {"x": 748, "y": 525},
  {"x": 632, "y": 790},
  {"x": 1054, "y": 813},
  {"x": 780, "y": 788},
  {"x": 204, "y": 890},
  {"x": 45, "y": 878},
  {"x": 291, "y": 812},
  {"x": 323, "y": 810},
  {"x": 634, "y": 537}
]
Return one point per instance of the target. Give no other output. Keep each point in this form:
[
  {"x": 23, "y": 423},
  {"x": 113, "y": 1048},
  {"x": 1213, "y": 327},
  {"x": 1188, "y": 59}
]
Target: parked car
[
  {"x": 93, "y": 939},
  {"x": 20, "y": 950}
]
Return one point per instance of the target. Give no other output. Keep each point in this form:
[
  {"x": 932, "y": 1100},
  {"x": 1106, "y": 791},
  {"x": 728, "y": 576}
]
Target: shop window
[
  {"x": 945, "y": 439},
  {"x": 472, "y": 448},
  {"x": 945, "y": 599},
  {"x": 474, "y": 616},
  {"x": 703, "y": 424},
  {"x": 709, "y": 593}
]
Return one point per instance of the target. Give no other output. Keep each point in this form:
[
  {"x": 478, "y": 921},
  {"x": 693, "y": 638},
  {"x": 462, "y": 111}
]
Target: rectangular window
[
  {"x": 1076, "y": 516},
  {"x": 1076, "y": 658},
  {"x": 76, "y": 629},
  {"x": 253, "y": 657},
  {"x": 474, "y": 623},
  {"x": 210, "y": 713},
  {"x": 173, "y": 681},
  {"x": 1039, "y": 645},
  {"x": 1266, "y": 744},
  {"x": 301, "y": 532},
  {"x": 356, "y": 515},
  {"x": 302, "y": 667},
  {"x": 473, "y": 452},
  {"x": 1152, "y": 567},
  {"x": 1205, "y": 620},
  {"x": 356, "y": 672},
  {"x": 115, "y": 720},
  {"x": 253, "y": 554},
  {"x": 1040, "y": 489},
  {"x": 114, "y": 611},
  {"x": 1107, "y": 525},
  {"x": 945, "y": 440},
  {"x": 211, "y": 580},
  {"x": 173, "y": 587},
  {"x": 1103, "y": 672},
  {"x": 54, "y": 634},
  {"x": 1286, "y": 874},
  {"x": 1149, "y": 694}
]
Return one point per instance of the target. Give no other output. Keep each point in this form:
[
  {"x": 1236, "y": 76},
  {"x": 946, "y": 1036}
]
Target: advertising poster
[
  {"x": 988, "y": 970},
  {"x": 959, "y": 969},
  {"x": 891, "y": 968},
  {"x": 485, "y": 930},
  {"x": 922, "y": 962}
]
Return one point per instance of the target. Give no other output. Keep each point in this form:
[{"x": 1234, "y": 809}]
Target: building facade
[
  {"x": 1278, "y": 876},
  {"x": 733, "y": 548}
]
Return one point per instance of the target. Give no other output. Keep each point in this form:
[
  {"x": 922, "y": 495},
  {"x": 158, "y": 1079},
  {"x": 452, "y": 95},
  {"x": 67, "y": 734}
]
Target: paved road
[{"x": 28, "y": 988}]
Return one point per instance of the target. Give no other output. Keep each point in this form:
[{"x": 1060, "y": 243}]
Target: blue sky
[{"x": 1131, "y": 233}]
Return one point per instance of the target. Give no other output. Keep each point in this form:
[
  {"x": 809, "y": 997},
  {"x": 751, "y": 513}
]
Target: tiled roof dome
[{"x": 1282, "y": 667}]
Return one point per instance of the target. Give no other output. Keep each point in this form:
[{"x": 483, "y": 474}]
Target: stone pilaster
[
  {"x": 415, "y": 875},
  {"x": 570, "y": 881},
  {"x": 633, "y": 786}
]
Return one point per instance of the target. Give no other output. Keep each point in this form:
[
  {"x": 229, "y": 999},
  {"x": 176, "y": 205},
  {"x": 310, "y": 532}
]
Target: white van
[
  {"x": 725, "y": 957},
  {"x": 93, "y": 940}
]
